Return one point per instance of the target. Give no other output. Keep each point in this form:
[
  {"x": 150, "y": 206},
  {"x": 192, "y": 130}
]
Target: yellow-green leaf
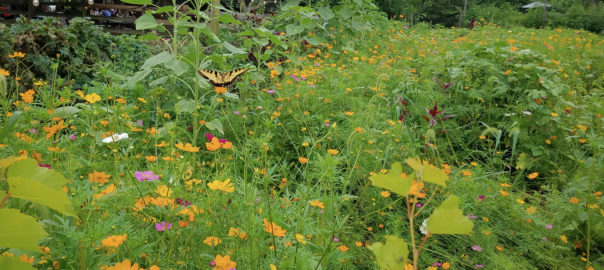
[
  {"x": 449, "y": 219},
  {"x": 29, "y": 169},
  {"x": 427, "y": 172},
  {"x": 18, "y": 230},
  {"x": 28, "y": 189},
  {"x": 393, "y": 180},
  {"x": 14, "y": 263},
  {"x": 391, "y": 255},
  {"x": 5, "y": 163}
]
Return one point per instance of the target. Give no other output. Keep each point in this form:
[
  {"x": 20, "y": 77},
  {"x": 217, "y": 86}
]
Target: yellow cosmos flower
[
  {"x": 300, "y": 239},
  {"x": 533, "y": 175},
  {"x": 92, "y": 98},
  {"x": 225, "y": 185}
]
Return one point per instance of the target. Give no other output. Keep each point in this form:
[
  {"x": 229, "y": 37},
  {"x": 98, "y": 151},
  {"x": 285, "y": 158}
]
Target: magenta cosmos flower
[
  {"x": 163, "y": 226},
  {"x": 145, "y": 176}
]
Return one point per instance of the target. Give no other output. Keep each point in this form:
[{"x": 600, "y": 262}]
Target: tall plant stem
[{"x": 4, "y": 199}]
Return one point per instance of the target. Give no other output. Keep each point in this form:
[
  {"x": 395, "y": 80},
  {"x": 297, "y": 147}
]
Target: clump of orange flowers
[
  {"x": 52, "y": 130},
  {"x": 28, "y": 96},
  {"x": 187, "y": 147},
  {"x": 215, "y": 143},
  {"x": 113, "y": 241},
  {"x": 223, "y": 263},
  {"x": 16, "y": 55},
  {"x": 99, "y": 177},
  {"x": 273, "y": 228}
]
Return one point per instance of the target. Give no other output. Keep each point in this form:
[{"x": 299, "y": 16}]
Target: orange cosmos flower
[
  {"x": 317, "y": 203},
  {"x": 187, "y": 147},
  {"x": 274, "y": 229},
  {"x": 212, "y": 241},
  {"x": 113, "y": 241},
  {"x": 220, "y": 89},
  {"x": 416, "y": 189},
  {"x": 224, "y": 263},
  {"x": 99, "y": 177}
]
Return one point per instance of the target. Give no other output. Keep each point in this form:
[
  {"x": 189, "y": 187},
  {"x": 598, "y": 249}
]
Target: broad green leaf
[
  {"x": 66, "y": 111},
  {"x": 177, "y": 67},
  {"x": 28, "y": 189},
  {"x": 449, "y": 219},
  {"x": 215, "y": 125},
  {"x": 325, "y": 13},
  {"x": 231, "y": 95},
  {"x": 393, "y": 180},
  {"x": 227, "y": 18},
  {"x": 427, "y": 172},
  {"x": 147, "y": 21},
  {"x": 29, "y": 169},
  {"x": 138, "y": 76},
  {"x": 159, "y": 81},
  {"x": 232, "y": 48},
  {"x": 3, "y": 85},
  {"x": 185, "y": 105},
  {"x": 293, "y": 30},
  {"x": 315, "y": 40},
  {"x": 523, "y": 161},
  {"x": 160, "y": 58},
  {"x": 164, "y": 9},
  {"x": 14, "y": 263},
  {"x": 166, "y": 129},
  {"x": 21, "y": 231},
  {"x": 391, "y": 255},
  {"x": 138, "y": 2}
]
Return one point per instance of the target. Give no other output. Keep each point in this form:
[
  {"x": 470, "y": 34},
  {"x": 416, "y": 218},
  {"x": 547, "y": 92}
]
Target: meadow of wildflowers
[{"x": 386, "y": 147}]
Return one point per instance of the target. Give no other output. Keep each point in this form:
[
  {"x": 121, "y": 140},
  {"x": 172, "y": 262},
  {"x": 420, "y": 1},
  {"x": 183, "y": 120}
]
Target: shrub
[{"x": 81, "y": 45}]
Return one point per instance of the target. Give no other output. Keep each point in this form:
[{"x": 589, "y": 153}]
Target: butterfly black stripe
[{"x": 222, "y": 79}]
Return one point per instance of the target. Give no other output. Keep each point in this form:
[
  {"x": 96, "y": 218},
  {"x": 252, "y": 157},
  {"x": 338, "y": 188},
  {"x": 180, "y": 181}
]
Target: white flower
[
  {"x": 424, "y": 228},
  {"x": 115, "y": 137},
  {"x": 527, "y": 113}
]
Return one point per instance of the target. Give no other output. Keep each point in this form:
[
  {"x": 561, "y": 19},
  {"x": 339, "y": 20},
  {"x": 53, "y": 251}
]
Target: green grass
[{"x": 521, "y": 86}]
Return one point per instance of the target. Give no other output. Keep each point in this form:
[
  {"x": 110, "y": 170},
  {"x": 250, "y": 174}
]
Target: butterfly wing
[
  {"x": 222, "y": 79},
  {"x": 213, "y": 76},
  {"x": 231, "y": 76}
]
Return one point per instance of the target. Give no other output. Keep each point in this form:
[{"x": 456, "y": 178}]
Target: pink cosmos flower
[{"x": 163, "y": 226}]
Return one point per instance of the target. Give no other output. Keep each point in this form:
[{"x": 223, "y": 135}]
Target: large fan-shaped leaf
[
  {"x": 393, "y": 180},
  {"x": 391, "y": 255},
  {"x": 31, "y": 182},
  {"x": 28, "y": 189},
  {"x": 427, "y": 172},
  {"x": 5, "y": 163},
  {"x": 449, "y": 219},
  {"x": 18, "y": 230},
  {"x": 29, "y": 169},
  {"x": 14, "y": 263}
]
